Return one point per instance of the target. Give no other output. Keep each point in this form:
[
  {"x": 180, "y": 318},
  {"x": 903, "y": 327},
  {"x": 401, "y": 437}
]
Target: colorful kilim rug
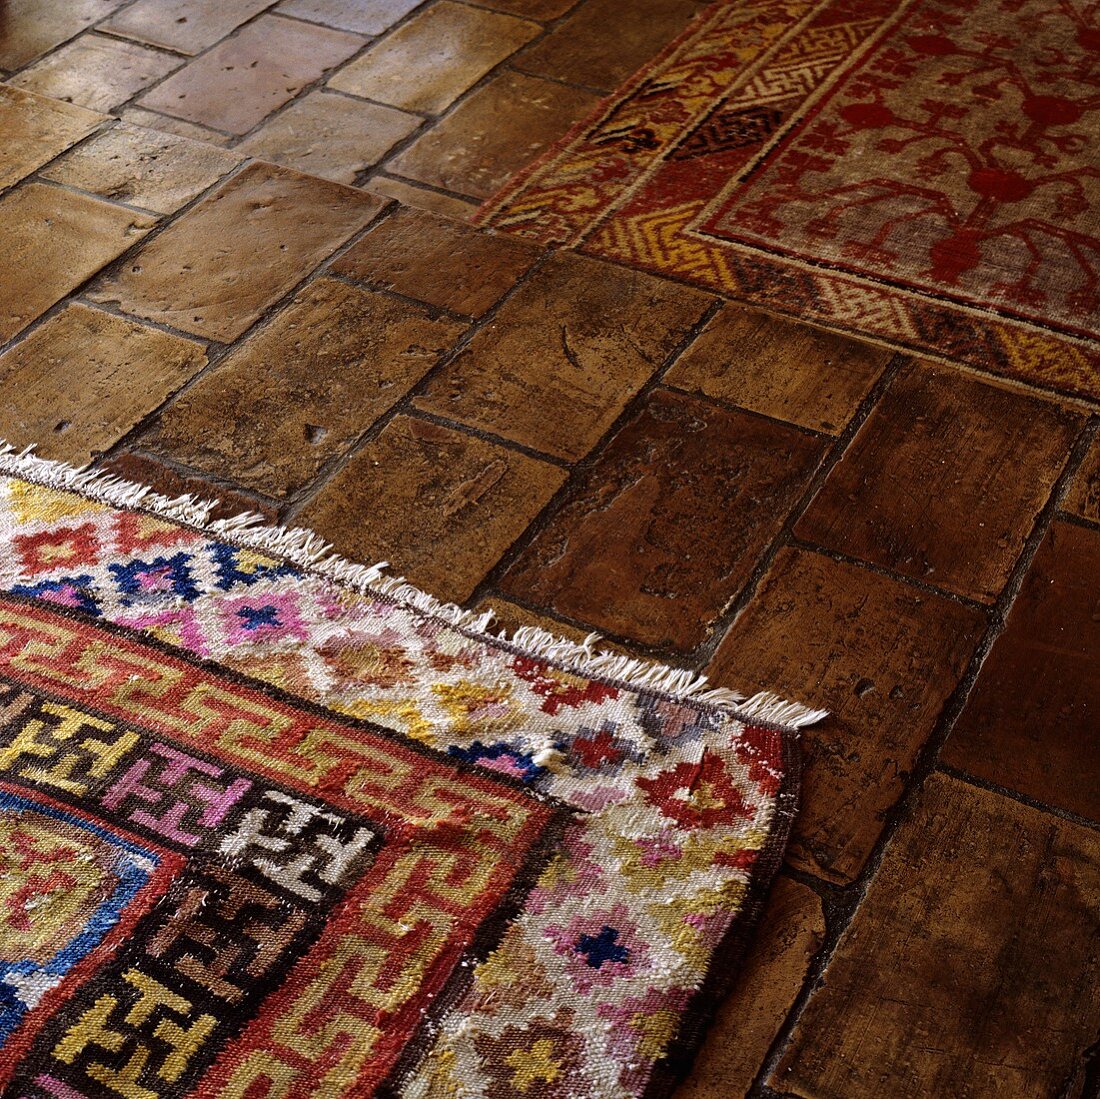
[
  {"x": 922, "y": 172},
  {"x": 274, "y": 825}
]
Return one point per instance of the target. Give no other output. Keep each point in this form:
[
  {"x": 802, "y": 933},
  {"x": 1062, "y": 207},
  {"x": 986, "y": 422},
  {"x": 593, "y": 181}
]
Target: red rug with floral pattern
[{"x": 925, "y": 173}]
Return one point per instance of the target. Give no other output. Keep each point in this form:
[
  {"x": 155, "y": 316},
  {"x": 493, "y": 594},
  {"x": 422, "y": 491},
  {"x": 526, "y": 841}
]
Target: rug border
[{"x": 308, "y": 551}]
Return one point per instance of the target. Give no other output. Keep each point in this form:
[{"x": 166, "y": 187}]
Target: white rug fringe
[{"x": 306, "y": 548}]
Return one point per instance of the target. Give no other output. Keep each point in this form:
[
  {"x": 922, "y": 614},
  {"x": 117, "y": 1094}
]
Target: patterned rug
[
  {"x": 276, "y": 825},
  {"x": 923, "y": 172}
]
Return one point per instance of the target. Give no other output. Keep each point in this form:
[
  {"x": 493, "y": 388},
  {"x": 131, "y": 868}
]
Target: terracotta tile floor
[{"x": 589, "y": 447}]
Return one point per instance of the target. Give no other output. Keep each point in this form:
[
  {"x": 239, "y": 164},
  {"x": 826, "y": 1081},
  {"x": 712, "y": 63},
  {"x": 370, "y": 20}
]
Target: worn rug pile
[
  {"x": 276, "y": 825},
  {"x": 921, "y": 171}
]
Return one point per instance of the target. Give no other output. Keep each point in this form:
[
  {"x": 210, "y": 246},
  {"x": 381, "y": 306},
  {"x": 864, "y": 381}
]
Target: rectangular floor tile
[
  {"x": 358, "y": 16},
  {"x": 789, "y": 371},
  {"x": 31, "y": 27},
  {"x": 84, "y": 378},
  {"x": 244, "y": 78},
  {"x": 214, "y": 270},
  {"x": 440, "y": 505},
  {"x": 882, "y": 656},
  {"x": 1083, "y": 498},
  {"x": 944, "y": 481},
  {"x": 54, "y": 240},
  {"x": 36, "y": 130},
  {"x": 186, "y": 26},
  {"x": 665, "y": 528},
  {"x": 565, "y": 353},
  {"x": 422, "y": 198},
  {"x": 1031, "y": 722},
  {"x": 438, "y": 260},
  {"x": 971, "y": 966},
  {"x": 162, "y": 123},
  {"x": 427, "y": 63},
  {"x": 493, "y": 133},
  {"x": 330, "y": 136},
  {"x": 303, "y": 389},
  {"x": 542, "y": 10},
  {"x": 96, "y": 72},
  {"x": 580, "y": 49},
  {"x": 790, "y": 931},
  {"x": 155, "y": 171},
  {"x": 145, "y": 470}
]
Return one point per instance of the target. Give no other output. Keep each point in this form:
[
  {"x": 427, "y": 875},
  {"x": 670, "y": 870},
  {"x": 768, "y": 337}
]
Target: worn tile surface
[
  {"x": 422, "y": 198},
  {"x": 54, "y": 240},
  {"x": 791, "y": 929},
  {"x": 970, "y": 968},
  {"x": 1031, "y": 722},
  {"x": 427, "y": 63},
  {"x": 36, "y": 130},
  {"x": 301, "y": 390},
  {"x": 186, "y": 26},
  {"x": 933, "y": 485},
  {"x": 664, "y": 529},
  {"x": 359, "y": 16},
  {"x": 882, "y": 656},
  {"x": 330, "y": 136},
  {"x": 580, "y": 50},
  {"x": 492, "y": 133},
  {"x": 447, "y": 509},
  {"x": 96, "y": 72},
  {"x": 139, "y": 116},
  {"x": 438, "y": 260},
  {"x": 1083, "y": 498},
  {"x": 803, "y": 375},
  {"x": 32, "y": 27},
  {"x": 125, "y": 371},
  {"x": 156, "y": 171},
  {"x": 534, "y": 9},
  {"x": 246, "y": 77},
  {"x": 237, "y": 251},
  {"x": 564, "y": 354}
]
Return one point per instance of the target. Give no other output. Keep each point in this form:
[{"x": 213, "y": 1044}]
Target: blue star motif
[{"x": 604, "y": 947}]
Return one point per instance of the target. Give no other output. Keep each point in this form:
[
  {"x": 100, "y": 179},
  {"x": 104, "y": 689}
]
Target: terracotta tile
[
  {"x": 145, "y": 470},
  {"x": 793, "y": 372},
  {"x": 971, "y": 966},
  {"x": 36, "y": 130},
  {"x": 1030, "y": 722},
  {"x": 330, "y": 135},
  {"x": 789, "y": 934},
  {"x": 214, "y": 270},
  {"x": 32, "y": 27},
  {"x": 665, "y": 528},
  {"x": 186, "y": 26},
  {"x": 565, "y": 353},
  {"x": 144, "y": 168},
  {"x": 493, "y": 133},
  {"x": 95, "y": 71},
  {"x": 542, "y": 10},
  {"x": 427, "y": 63},
  {"x": 138, "y": 116},
  {"x": 422, "y": 198},
  {"x": 358, "y": 16},
  {"x": 440, "y": 505},
  {"x": 439, "y": 261},
  {"x": 884, "y": 657},
  {"x": 246, "y": 77},
  {"x": 581, "y": 50},
  {"x": 84, "y": 378},
  {"x": 303, "y": 389},
  {"x": 944, "y": 481},
  {"x": 1083, "y": 498},
  {"x": 511, "y": 616},
  {"x": 54, "y": 240}
]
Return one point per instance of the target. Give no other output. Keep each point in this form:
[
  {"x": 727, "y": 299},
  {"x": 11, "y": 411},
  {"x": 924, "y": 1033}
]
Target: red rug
[{"x": 924, "y": 173}]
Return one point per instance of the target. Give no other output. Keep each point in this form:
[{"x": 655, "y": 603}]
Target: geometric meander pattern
[{"x": 263, "y": 835}]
